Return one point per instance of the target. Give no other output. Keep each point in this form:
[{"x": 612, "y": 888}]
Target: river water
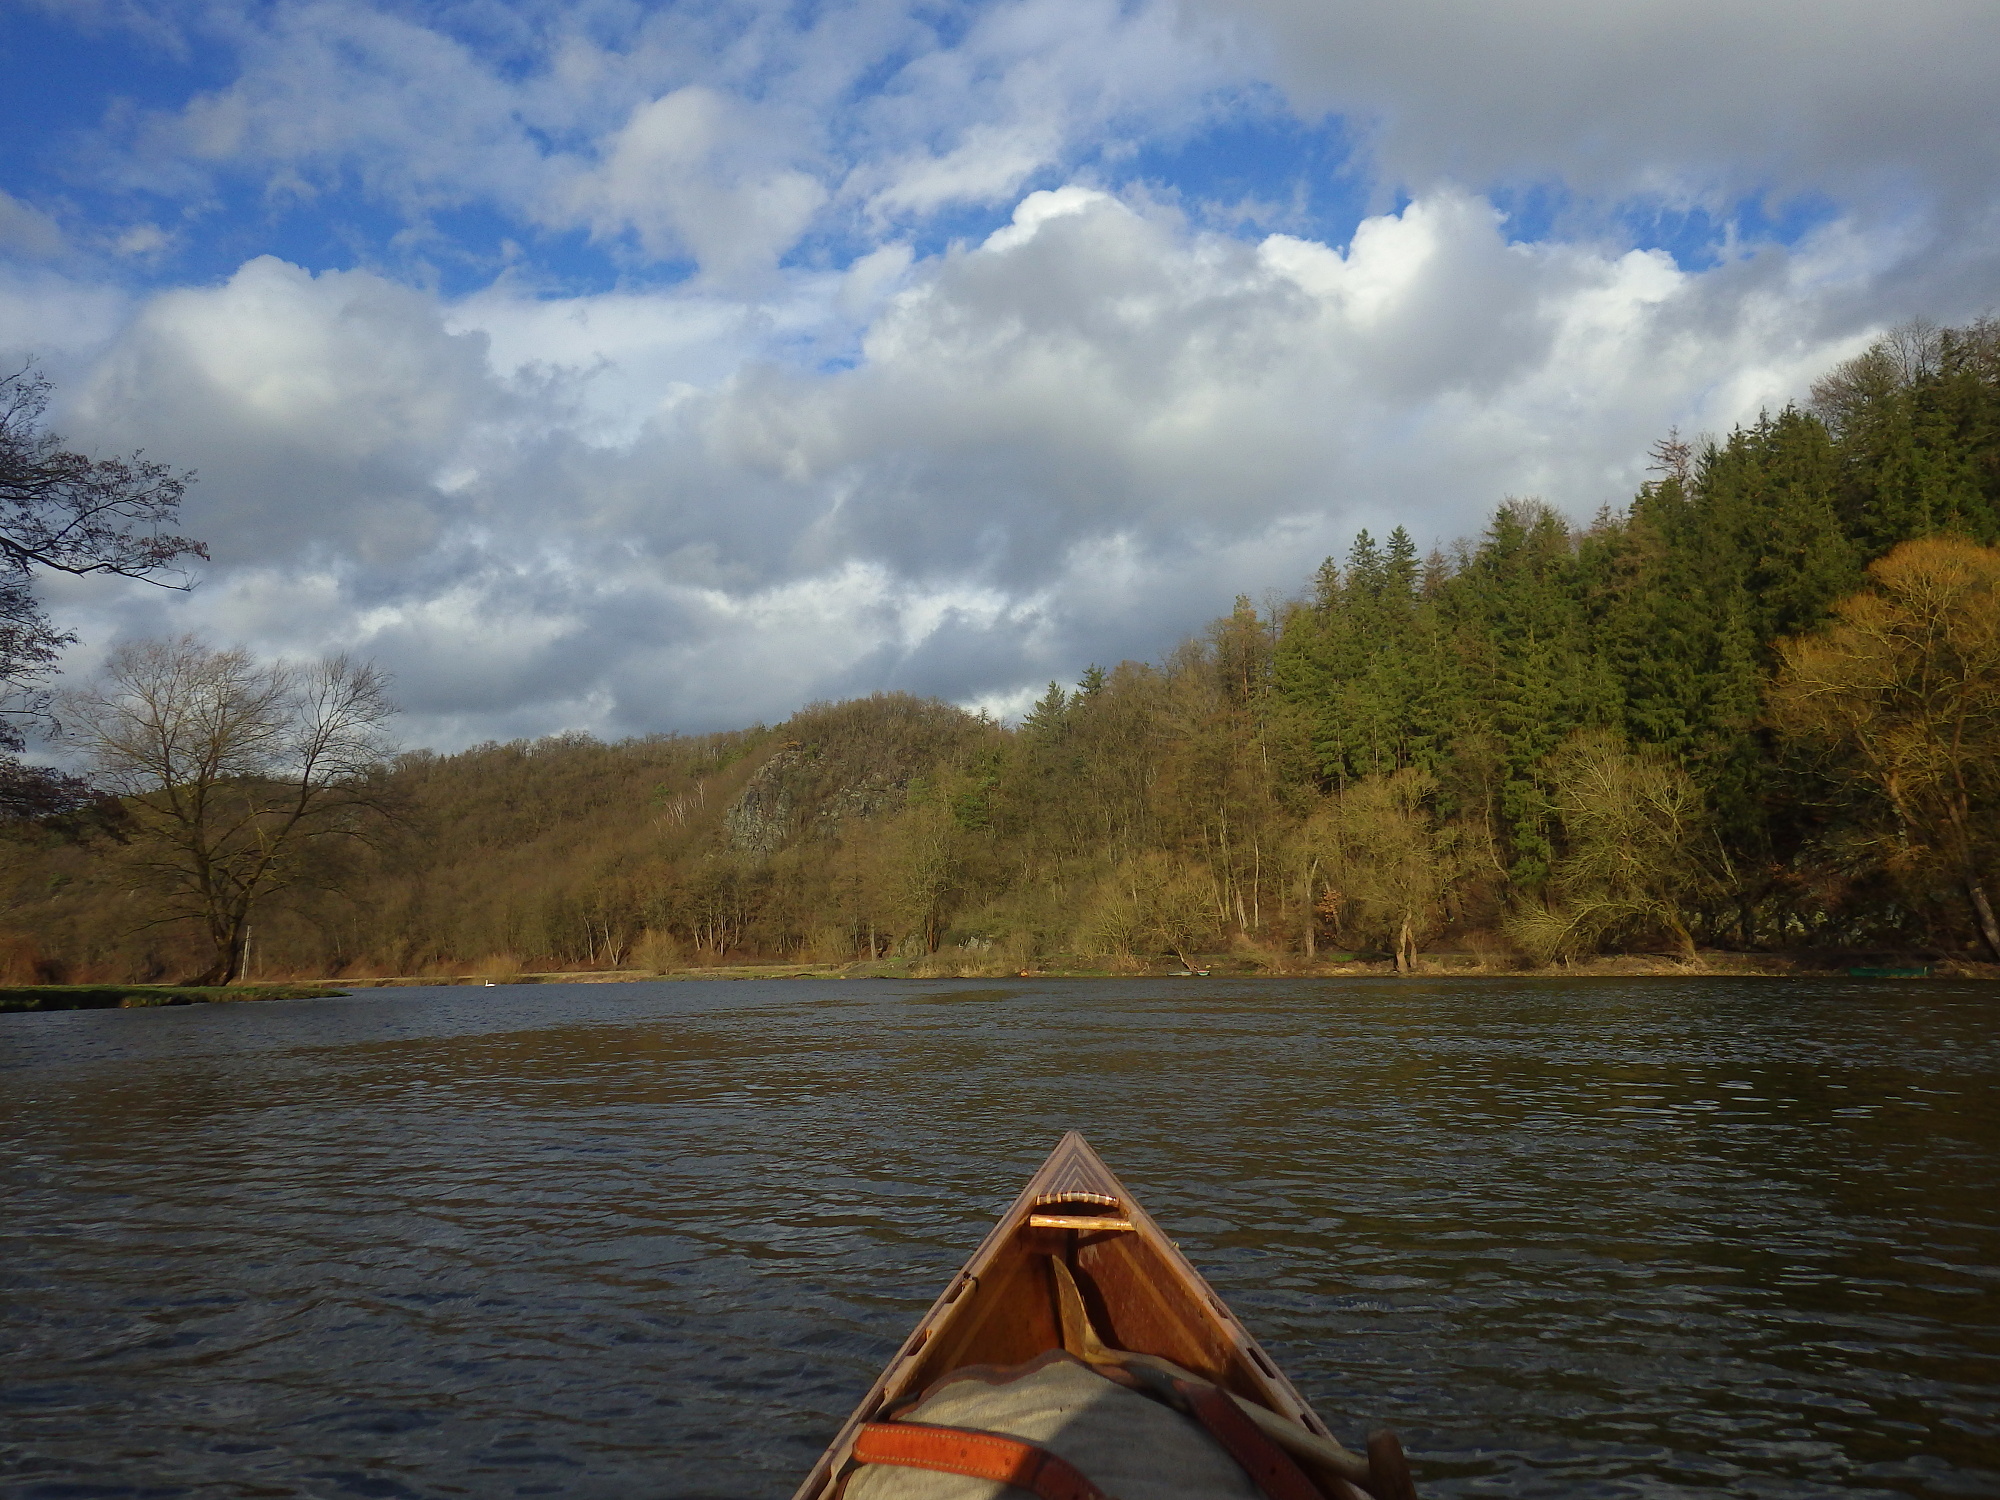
[{"x": 1588, "y": 1238}]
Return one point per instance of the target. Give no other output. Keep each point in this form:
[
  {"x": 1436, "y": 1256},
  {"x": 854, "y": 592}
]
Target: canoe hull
[{"x": 1002, "y": 1308}]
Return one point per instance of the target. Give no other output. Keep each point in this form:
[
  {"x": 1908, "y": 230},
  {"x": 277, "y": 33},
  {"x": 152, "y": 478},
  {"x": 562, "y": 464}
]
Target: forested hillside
[{"x": 1756, "y": 708}]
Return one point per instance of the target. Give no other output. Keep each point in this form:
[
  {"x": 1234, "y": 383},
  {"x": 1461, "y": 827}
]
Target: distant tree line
[{"x": 1757, "y": 708}]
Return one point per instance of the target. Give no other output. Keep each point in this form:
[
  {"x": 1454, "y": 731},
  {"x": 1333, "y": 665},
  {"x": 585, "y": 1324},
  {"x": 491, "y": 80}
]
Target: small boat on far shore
[{"x": 1076, "y": 1282}]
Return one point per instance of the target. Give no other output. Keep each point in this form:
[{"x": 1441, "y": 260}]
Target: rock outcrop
[{"x": 760, "y": 819}]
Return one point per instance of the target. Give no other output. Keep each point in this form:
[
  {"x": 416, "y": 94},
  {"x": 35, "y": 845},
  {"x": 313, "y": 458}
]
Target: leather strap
[
  {"x": 978, "y": 1455},
  {"x": 1268, "y": 1465},
  {"x": 1008, "y": 1460}
]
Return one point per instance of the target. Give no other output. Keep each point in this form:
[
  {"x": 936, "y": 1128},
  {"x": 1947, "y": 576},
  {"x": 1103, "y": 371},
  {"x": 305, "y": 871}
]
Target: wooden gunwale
[{"x": 1141, "y": 1293}]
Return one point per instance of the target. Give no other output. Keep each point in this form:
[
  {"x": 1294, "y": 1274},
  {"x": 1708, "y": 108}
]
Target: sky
[{"x": 638, "y": 368}]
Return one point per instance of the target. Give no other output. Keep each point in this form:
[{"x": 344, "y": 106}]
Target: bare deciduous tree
[
  {"x": 65, "y": 512},
  {"x": 232, "y": 770},
  {"x": 1154, "y": 901},
  {"x": 1634, "y": 831},
  {"x": 925, "y": 855},
  {"x": 1386, "y": 867}
]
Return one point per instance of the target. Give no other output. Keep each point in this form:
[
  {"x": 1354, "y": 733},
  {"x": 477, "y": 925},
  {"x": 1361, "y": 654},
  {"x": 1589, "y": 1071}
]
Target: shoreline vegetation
[
  {"x": 44, "y": 997},
  {"x": 1748, "y": 723},
  {"x": 1435, "y": 965}
]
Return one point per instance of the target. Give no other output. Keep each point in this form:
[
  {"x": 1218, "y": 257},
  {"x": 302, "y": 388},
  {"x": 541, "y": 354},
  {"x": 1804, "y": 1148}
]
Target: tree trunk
[
  {"x": 227, "y": 930},
  {"x": 1689, "y": 953},
  {"x": 1958, "y": 819},
  {"x": 1988, "y": 928},
  {"x": 1406, "y": 949},
  {"x": 1257, "y": 884}
]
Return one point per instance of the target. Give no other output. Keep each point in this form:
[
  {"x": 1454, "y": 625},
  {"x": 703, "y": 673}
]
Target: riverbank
[
  {"x": 1238, "y": 966},
  {"x": 37, "y": 997},
  {"x": 1713, "y": 964}
]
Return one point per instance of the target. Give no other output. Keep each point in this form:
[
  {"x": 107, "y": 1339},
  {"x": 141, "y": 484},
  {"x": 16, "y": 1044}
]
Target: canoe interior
[{"x": 1002, "y": 1307}]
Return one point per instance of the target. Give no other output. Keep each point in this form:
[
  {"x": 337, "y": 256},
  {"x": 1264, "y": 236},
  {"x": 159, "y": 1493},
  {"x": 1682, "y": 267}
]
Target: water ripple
[{"x": 1633, "y": 1239}]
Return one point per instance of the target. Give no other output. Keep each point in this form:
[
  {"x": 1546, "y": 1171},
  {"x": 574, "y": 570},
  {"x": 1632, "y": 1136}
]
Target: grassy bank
[
  {"x": 137, "y": 996},
  {"x": 1827, "y": 965},
  {"x": 1823, "y": 965}
]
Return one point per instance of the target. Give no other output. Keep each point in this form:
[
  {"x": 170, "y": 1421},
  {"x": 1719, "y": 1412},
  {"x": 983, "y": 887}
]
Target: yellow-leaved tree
[
  {"x": 1634, "y": 829},
  {"x": 1900, "y": 693},
  {"x": 1153, "y": 902},
  {"x": 1386, "y": 868}
]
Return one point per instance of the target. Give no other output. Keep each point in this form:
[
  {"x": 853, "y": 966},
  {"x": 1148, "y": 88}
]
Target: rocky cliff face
[
  {"x": 849, "y": 761},
  {"x": 760, "y": 819},
  {"x": 787, "y": 798}
]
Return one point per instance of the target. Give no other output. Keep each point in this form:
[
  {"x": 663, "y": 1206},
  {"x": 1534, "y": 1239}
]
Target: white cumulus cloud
[
  {"x": 1074, "y": 440},
  {"x": 801, "y": 352}
]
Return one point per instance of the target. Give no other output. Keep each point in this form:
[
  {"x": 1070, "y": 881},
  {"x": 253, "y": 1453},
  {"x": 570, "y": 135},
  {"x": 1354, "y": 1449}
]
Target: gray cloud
[
  {"x": 321, "y": 411},
  {"x": 27, "y": 232},
  {"x": 1691, "y": 100}
]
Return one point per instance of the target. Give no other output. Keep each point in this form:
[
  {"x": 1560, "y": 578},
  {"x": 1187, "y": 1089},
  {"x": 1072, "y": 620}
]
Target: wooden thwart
[
  {"x": 1078, "y": 1222},
  {"x": 1076, "y": 1264}
]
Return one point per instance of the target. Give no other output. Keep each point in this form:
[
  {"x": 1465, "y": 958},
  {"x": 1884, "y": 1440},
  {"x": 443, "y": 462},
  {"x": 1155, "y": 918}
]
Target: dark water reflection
[{"x": 1640, "y": 1238}]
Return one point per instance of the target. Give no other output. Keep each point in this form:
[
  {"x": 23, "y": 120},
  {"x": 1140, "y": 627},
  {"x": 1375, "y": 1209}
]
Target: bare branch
[
  {"x": 233, "y": 769},
  {"x": 65, "y": 512}
]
